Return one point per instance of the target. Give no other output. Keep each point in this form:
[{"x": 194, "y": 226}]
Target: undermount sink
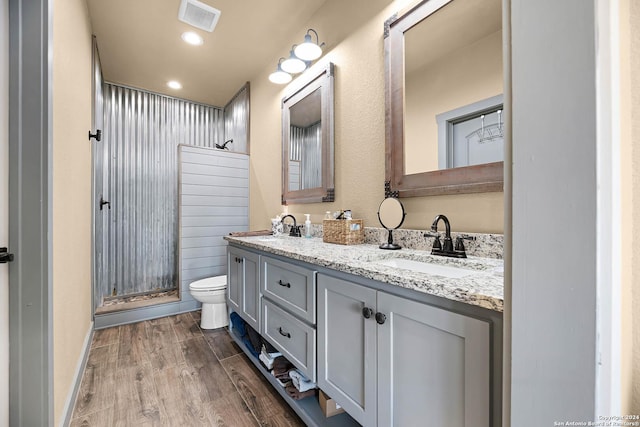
[{"x": 426, "y": 267}]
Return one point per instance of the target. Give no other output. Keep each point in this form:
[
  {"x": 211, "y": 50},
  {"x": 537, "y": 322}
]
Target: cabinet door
[
  {"x": 234, "y": 279},
  {"x": 433, "y": 366},
  {"x": 347, "y": 347},
  {"x": 250, "y": 300}
]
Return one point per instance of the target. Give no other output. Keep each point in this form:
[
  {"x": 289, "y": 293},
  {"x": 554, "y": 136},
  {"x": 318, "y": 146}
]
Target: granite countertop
[{"x": 483, "y": 287}]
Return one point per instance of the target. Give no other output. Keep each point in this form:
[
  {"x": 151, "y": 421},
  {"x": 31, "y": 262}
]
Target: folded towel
[
  {"x": 270, "y": 354},
  {"x": 301, "y": 382},
  {"x": 284, "y": 381},
  {"x": 281, "y": 375},
  {"x": 269, "y": 348},
  {"x": 267, "y": 358},
  {"x": 238, "y": 325},
  {"x": 268, "y": 363},
  {"x": 280, "y": 364},
  {"x": 297, "y": 395}
]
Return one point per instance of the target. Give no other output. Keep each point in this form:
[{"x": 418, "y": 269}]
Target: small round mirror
[{"x": 391, "y": 215}]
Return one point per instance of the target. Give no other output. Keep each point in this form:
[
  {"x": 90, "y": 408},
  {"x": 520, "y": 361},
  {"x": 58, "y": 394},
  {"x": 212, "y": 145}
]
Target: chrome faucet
[
  {"x": 294, "y": 230},
  {"x": 446, "y": 248}
]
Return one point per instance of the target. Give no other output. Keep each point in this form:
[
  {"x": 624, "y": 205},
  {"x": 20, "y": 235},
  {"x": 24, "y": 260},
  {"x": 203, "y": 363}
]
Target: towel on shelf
[
  {"x": 281, "y": 364},
  {"x": 296, "y": 394},
  {"x": 301, "y": 382},
  {"x": 255, "y": 339},
  {"x": 265, "y": 361},
  {"x": 267, "y": 358},
  {"x": 282, "y": 381},
  {"x": 237, "y": 325}
]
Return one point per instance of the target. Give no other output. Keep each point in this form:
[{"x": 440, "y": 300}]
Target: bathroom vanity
[{"x": 402, "y": 338}]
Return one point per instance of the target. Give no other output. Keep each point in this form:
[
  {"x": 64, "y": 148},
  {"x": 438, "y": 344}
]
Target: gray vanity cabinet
[
  {"x": 407, "y": 363},
  {"x": 243, "y": 285},
  {"x": 347, "y": 354}
]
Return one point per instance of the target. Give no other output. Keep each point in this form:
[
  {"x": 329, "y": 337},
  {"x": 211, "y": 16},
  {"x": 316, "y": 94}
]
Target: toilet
[{"x": 211, "y": 293}]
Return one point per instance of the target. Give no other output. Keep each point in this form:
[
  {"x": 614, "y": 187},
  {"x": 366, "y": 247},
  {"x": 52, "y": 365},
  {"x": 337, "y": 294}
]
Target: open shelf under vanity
[{"x": 308, "y": 409}]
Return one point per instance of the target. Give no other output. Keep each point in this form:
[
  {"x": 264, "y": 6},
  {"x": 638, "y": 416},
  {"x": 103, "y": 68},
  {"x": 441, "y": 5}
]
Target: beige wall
[
  {"x": 465, "y": 76},
  {"x": 353, "y": 32},
  {"x": 71, "y": 193}
]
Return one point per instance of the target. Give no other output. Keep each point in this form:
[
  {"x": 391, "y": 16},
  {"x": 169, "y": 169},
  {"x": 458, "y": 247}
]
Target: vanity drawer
[
  {"x": 291, "y": 286},
  {"x": 294, "y": 338}
]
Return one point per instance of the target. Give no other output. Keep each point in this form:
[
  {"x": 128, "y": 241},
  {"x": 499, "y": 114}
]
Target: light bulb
[
  {"x": 308, "y": 50},
  {"x": 293, "y": 64},
  {"x": 280, "y": 77},
  {"x": 174, "y": 84}
]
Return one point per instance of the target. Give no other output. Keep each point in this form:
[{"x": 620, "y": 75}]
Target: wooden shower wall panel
[{"x": 214, "y": 201}]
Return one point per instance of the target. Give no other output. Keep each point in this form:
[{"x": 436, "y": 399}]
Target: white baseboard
[{"x": 73, "y": 393}]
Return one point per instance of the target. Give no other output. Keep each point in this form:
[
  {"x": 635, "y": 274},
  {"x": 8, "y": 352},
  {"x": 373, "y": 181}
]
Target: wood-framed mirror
[
  {"x": 444, "y": 84},
  {"x": 307, "y": 141}
]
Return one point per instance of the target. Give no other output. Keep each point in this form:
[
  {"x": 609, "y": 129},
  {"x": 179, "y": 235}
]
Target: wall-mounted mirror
[
  {"x": 445, "y": 120},
  {"x": 307, "y": 141}
]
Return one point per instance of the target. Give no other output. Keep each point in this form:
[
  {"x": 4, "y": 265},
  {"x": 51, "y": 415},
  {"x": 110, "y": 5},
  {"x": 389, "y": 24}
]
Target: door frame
[{"x": 30, "y": 209}]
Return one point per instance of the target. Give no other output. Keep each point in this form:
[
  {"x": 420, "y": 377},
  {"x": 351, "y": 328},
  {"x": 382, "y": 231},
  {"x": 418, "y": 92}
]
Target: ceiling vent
[{"x": 198, "y": 14}]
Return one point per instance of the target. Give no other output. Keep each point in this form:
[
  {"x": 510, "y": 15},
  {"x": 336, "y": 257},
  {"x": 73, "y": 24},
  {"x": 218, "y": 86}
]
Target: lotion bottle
[{"x": 307, "y": 226}]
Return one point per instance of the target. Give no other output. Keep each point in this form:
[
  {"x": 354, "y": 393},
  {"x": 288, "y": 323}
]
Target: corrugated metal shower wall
[
  {"x": 139, "y": 171},
  {"x": 305, "y": 146},
  {"x": 236, "y": 121}
]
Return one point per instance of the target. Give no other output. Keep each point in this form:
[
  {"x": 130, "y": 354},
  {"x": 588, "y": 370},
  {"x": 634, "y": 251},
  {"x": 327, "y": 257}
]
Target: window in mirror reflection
[
  {"x": 452, "y": 59},
  {"x": 305, "y": 143}
]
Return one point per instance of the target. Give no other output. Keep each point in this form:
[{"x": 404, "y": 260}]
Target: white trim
[
  {"x": 609, "y": 236},
  {"x": 69, "y": 404}
]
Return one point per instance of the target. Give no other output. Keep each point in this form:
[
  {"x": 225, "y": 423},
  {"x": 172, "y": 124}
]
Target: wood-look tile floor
[{"x": 169, "y": 372}]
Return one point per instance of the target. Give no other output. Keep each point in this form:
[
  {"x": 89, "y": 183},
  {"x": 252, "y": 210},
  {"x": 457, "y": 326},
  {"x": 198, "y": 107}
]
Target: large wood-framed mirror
[
  {"x": 444, "y": 114},
  {"x": 307, "y": 141}
]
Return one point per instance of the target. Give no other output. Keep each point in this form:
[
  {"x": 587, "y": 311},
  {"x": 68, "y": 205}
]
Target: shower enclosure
[{"x": 136, "y": 188}]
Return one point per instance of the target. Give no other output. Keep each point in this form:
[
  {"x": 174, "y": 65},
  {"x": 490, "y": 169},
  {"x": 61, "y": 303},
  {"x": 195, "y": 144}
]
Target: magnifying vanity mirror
[
  {"x": 307, "y": 141},
  {"x": 445, "y": 117},
  {"x": 391, "y": 215}
]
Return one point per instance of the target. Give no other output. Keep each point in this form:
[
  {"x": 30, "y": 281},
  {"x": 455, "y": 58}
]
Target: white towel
[
  {"x": 270, "y": 355},
  {"x": 301, "y": 382},
  {"x": 266, "y": 360}
]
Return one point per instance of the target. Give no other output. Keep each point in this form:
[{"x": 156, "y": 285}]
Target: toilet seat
[{"x": 209, "y": 284}]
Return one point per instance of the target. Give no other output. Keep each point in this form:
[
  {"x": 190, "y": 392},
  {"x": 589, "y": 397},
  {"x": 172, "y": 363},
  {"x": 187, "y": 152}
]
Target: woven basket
[{"x": 343, "y": 231}]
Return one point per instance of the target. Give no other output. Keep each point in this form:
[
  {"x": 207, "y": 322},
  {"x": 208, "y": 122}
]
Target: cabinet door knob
[
  {"x": 283, "y": 333},
  {"x": 380, "y": 318},
  {"x": 286, "y": 285},
  {"x": 367, "y": 312}
]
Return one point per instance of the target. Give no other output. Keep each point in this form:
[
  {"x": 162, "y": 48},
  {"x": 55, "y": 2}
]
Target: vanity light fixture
[
  {"x": 300, "y": 57},
  {"x": 293, "y": 64},
  {"x": 174, "y": 84},
  {"x": 279, "y": 76},
  {"x": 308, "y": 50},
  {"x": 192, "y": 38}
]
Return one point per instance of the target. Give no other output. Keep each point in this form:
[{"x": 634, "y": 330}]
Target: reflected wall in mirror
[
  {"x": 445, "y": 117},
  {"x": 307, "y": 141}
]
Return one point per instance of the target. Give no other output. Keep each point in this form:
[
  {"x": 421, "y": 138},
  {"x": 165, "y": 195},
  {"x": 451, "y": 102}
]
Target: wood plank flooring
[{"x": 169, "y": 372}]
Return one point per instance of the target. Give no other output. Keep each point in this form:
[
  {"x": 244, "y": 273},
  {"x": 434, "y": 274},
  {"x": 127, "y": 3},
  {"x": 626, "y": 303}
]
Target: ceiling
[{"x": 139, "y": 44}]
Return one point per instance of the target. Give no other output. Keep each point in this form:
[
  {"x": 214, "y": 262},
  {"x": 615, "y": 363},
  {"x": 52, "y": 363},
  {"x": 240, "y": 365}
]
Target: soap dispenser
[{"x": 307, "y": 226}]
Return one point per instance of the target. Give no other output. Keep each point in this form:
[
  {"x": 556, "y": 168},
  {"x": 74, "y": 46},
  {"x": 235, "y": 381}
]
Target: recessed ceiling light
[
  {"x": 192, "y": 38},
  {"x": 174, "y": 84}
]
